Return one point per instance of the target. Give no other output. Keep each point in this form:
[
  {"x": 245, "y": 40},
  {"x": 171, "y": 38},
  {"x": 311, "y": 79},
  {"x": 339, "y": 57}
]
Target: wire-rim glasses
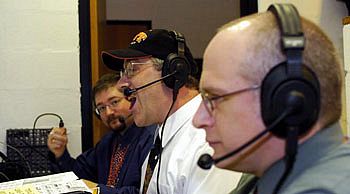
[
  {"x": 113, "y": 104},
  {"x": 208, "y": 100},
  {"x": 132, "y": 68}
]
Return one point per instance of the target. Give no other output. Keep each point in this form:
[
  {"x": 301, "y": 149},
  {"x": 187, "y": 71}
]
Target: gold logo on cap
[{"x": 139, "y": 38}]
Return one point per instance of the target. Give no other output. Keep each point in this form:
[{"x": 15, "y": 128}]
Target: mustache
[{"x": 112, "y": 118}]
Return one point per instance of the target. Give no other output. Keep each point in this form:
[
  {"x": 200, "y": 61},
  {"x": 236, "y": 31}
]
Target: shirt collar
[
  {"x": 325, "y": 141},
  {"x": 176, "y": 120}
]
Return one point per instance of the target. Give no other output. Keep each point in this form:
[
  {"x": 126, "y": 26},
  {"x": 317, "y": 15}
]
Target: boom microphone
[
  {"x": 128, "y": 91},
  {"x": 205, "y": 161},
  {"x": 123, "y": 119}
]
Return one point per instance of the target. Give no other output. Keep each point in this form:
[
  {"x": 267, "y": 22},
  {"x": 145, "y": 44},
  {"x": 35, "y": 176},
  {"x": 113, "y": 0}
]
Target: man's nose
[
  {"x": 109, "y": 110},
  {"x": 202, "y": 118}
]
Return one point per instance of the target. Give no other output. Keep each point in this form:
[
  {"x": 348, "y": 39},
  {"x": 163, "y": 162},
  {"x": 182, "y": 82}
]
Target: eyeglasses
[
  {"x": 132, "y": 68},
  {"x": 208, "y": 100},
  {"x": 101, "y": 109}
]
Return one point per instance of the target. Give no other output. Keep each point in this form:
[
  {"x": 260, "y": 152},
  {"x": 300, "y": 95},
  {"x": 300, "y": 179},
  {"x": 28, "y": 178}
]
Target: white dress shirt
[{"x": 183, "y": 144}]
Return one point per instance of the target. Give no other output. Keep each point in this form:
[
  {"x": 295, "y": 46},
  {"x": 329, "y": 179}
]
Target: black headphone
[
  {"x": 96, "y": 114},
  {"x": 290, "y": 84},
  {"x": 176, "y": 63}
]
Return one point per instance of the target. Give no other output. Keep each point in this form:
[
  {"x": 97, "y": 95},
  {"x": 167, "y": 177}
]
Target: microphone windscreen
[
  {"x": 121, "y": 119},
  {"x": 205, "y": 161},
  {"x": 128, "y": 91},
  {"x": 132, "y": 102}
]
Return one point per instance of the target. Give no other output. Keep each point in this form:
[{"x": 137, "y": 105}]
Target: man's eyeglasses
[
  {"x": 101, "y": 109},
  {"x": 208, "y": 100},
  {"x": 132, "y": 68}
]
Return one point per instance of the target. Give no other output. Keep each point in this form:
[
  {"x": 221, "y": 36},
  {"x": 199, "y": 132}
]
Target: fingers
[
  {"x": 61, "y": 131},
  {"x": 57, "y": 143},
  {"x": 57, "y": 138}
]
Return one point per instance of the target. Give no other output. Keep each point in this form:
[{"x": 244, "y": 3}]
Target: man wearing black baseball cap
[
  {"x": 153, "y": 43},
  {"x": 158, "y": 70}
]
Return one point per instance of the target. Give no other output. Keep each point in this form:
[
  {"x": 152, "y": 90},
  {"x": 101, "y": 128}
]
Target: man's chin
[
  {"x": 117, "y": 128},
  {"x": 141, "y": 121}
]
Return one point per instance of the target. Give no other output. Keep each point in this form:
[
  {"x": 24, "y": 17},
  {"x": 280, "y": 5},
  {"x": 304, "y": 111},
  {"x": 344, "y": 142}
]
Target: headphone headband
[
  {"x": 292, "y": 36},
  {"x": 180, "y": 39},
  {"x": 177, "y": 62},
  {"x": 290, "y": 84}
]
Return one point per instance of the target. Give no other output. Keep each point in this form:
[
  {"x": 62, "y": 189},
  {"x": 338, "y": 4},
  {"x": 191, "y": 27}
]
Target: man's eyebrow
[
  {"x": 111, "y": 98},
  {"x": 212, "y": 91},
  {"x": 115, "y": 97}
]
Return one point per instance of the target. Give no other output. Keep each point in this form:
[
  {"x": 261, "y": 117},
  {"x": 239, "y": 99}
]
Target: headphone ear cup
[
  {"x": 97, "y": 115},
  {"x": 180, "y": 65},
  {"x": 278, "y": 92}
]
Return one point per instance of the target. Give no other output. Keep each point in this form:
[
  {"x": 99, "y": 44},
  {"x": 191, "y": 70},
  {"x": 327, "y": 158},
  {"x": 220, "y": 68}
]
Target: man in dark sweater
[{"x": 115, "y": 162}]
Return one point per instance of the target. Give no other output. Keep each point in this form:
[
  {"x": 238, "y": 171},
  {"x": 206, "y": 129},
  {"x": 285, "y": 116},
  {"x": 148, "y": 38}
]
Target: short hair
[
  {"x": 106, "y": 81},
  {"x": 191, "y": 83},
  {"x": 319, "y": 55}
]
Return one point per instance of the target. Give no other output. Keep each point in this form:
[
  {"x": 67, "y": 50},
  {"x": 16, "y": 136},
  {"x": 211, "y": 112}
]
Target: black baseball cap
[{"x": 158, "y": 43}]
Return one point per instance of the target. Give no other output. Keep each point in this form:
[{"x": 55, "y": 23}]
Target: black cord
[
  {"x": 22, "y": 157},
  {"x": 291, "y": 150},
  {"x": 6, "y": 178},
  {"x": 282, "y": 116},
  {"x": 61, "y": 124},
  {"x": 3, "y": 157},
  {"x": 175, "y": 92},
  {"x": 4, "y": 160},
  {"x": 33, "y": 148}
]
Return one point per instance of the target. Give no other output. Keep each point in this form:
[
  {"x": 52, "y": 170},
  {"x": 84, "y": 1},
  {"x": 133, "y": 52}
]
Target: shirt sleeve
[{"x": 84, "y": 166}]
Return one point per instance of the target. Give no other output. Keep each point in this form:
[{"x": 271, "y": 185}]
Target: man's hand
[{"x": 57, "y": 141}]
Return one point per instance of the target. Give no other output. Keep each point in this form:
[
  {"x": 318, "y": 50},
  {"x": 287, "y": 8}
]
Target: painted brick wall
[{"x": 39, "y": 66}]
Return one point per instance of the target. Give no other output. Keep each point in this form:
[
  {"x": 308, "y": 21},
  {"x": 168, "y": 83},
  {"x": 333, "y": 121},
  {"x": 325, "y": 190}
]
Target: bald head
[{"x": 250, "y": 47}]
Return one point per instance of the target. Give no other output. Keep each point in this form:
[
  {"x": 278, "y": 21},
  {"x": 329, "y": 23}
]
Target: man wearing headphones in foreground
[
  {"x": 272, "y": 102},
  {"x": 115, "y": 162},
  {"x": 158, "y": 79}
]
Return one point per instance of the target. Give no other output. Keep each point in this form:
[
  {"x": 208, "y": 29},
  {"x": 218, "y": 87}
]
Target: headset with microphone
[
  {"x": 206, "y": 161},
  {"x": 123, "y": 119},
  {"x": 290, "y": 92},
  {"x": 128, "y": 91},
  {"x": 175, "y": 70}
]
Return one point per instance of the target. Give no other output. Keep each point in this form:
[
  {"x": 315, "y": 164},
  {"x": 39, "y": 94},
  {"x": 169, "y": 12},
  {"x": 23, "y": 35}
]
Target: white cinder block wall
[
  {"x": 39, "y": 66},
  {"x": 346, "y": 41}
]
